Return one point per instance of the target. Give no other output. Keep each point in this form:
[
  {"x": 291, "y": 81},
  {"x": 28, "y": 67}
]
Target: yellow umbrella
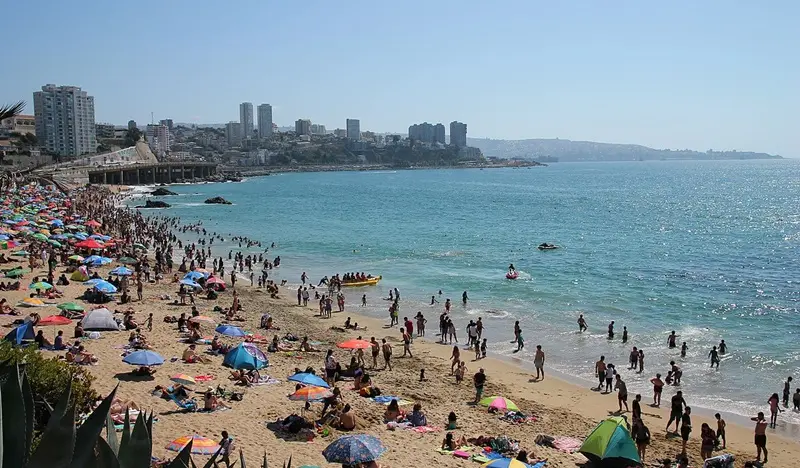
[{"x": 32, "y": 302}]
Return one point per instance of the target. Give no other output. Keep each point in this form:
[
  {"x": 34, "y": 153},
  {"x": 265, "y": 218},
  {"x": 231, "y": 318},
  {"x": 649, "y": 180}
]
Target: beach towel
[
  {"x": 203, "y": 378},
  {"x": 539, "y": 465},
  {"x": 481, "y": 458},
  {"x": 450, "y": 452},
  {"x": 566, "y": 444},
  {"x": 385, "y": 400},
  {"x": 266, "y": 380},
  {"x": 425, "y": 429},
  {"x": 461, "y": 454}
]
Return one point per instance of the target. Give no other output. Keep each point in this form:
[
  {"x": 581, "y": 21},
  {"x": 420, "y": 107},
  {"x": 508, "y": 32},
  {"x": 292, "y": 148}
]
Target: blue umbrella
[
  {"x": 143, "y": 358},
  {"x": 193, "y": 275},
  {"x": 309, "y": 379},
  {"x": 4, "y": 237},
  {"x": 80, "y": 236},
  {"x": 92, "y": 281},
  {"x": 96, "y": 260},
  {"x": 105, "y": 287},
  {"x": 57, "y": 222},
  {"x": 191, "y": 283},
  {"x": 121, "y": 271},
  {"x": 353, "y": 449},
  {"x": 229, "y": 330}
]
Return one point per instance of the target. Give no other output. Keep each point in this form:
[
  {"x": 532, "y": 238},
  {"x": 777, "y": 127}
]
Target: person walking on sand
[
  {"x": 406, "y": 344},
  {"x": 479, "y": 380},
  {"x": 676, "y": 410},
  {"x": 600, "y": 371},
  {"x": 714, "y": 355},
  {"x": 376, "y": 349},
  {"x": 455, "y": 357},
  {"x": 760, "y": 436},
  {"x": 622, "y": 394},
  {"x": 720, "y": 434},
  {"x": 582, "y": 327},
  {"x": 774, "y": 409},
  {"x": 520, "y": 341},
  {"x": 149, "y": 323},
  {"x": 658, "y": 387},
  {"x": 225, "y": 448},
  {"x": 387, "y": 354},
  {"x": 538, "y": 362},
  {"x": 299, "y": 295},
  {"x": 686, "y": 428}
]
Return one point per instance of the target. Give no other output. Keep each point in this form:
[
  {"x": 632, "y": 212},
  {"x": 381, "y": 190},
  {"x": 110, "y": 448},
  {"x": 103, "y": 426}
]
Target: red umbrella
[
  {"x": 215, "y": 280},
  {"x": 89, "y": 244},
  {"x": 355, "y": 344},
  {"x": 55, "y": 320},
  {"x": 93, "y": 223}
]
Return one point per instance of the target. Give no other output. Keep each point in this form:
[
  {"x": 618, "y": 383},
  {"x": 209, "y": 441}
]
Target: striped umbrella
[
  {"x": 183, "y": 379},
  {"x": 200, "y": 445},
  {"x": 202, "y": 319},
  {"x": 43, "y": 285},
  {"x": 499, "y": 403},
  {"x": 311, "y": 394}
]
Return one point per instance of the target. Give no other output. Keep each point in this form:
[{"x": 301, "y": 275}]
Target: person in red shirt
[{"x": 409, "y": 327}]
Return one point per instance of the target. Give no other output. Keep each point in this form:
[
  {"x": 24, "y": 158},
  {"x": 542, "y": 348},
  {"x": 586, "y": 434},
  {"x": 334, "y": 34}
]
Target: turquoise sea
[{"x": 708, "y": 249}]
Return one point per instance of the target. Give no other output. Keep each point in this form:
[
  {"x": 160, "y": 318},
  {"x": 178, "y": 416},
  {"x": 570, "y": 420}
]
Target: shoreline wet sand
[{"x": 561, "y": 408}]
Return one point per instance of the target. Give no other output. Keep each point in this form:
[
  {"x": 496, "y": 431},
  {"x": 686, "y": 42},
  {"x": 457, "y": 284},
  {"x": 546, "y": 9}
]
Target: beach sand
[{"x": 561, "y": 408}]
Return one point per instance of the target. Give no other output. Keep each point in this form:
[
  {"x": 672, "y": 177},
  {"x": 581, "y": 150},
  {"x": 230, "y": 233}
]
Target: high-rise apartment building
[
  {"x": 302, "y": 127},
  {"x": 353, "y": 129},
  {"x": 264, "y": 121},
  {"x": 233, "y": 132},
  {"x": 427, "y": 133},
  {"x": 167, "y": 122},
  {"x": 458, "y": 134},
  {"x": 105, "y": 131},
  {"x": 438, "y": 133},
  {"x": 131, "y": 124},
  {"x": 159, "y": 138},
  {"x": 318, "y": 129},
  {"x": 246, "y": 119},
  {"x": 64, "y": 118}
]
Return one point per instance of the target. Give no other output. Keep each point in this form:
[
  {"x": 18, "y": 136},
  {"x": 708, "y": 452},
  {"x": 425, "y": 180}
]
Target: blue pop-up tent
[
  {"x": 246, "y": 356},
  {"x": 20, "y": 333}
]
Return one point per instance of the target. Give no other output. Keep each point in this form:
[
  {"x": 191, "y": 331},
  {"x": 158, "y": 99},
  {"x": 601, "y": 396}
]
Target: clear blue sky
[{"x": 682, "y": 74}]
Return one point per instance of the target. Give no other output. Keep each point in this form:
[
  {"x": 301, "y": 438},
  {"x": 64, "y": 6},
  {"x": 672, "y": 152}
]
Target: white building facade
[{"x": 64, "y": 118}]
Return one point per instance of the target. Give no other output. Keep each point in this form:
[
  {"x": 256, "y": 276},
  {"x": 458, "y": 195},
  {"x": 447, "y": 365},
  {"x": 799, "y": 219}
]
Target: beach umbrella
[
  {"x": 7, "y": 244},
  {"x": 230, "y": 330},
  {"x": 499, "y": 403},
  {"x": 92, "y": 281},
  {"x": 121, "y": 271},
  {"x": 20, "y": 253},
  {"x": 55, "y": 320},
  {"x": 39, "y": 237},
  {"x": 610, "y": 444},
  {"x": 89, "y": 244},
  {"x": 306, "y": 378},
  {"x": 246, "y": 356},
  {"x": 105, "y": 287},
  {"x": 70, "y": 306},
  {"x": 138, "y": 246},
  {"x": 215, "y": 280},
  {"x": 143, "y": 358},
  {"x": 505, "y": 463},
  {"x": 43, "y": 285},
  {"x": 355, "y": 344},
  {"x": 96, "y": 260},
  {"x": 190, "y": 283},
  {"x": 16, "y": 272},
  {"x": 76, "y": 258},
  {"x": 202, "y": 319},
  {"x": 200, "y": 445},
  {"x": 54, "y": 243},
  {"x": 193, "y": 276},
  {"x": 57, "y": 222},
  {"x": 354, "y": 449},
  {"x": 311, "y": 394},
  {"x": 183, "y": 379},
  {"x": 128, "y": 261},
  {"x": 92, "y": 223},
  {"x": 32, "y": 302}
]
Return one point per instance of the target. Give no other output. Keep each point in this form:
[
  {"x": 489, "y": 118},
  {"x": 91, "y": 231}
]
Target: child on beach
[
  {"x": 460, "y": 371},
  {"x": 149, "y": 322},
  {"x": 774, "y": 409},
  {"x": 483, "y": 353}
]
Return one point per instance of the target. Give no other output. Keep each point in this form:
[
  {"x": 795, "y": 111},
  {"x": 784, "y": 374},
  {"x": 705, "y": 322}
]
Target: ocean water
[{"x": 708, "y": 249}]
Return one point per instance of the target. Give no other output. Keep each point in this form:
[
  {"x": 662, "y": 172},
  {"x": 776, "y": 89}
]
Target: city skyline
[{"x": 685, "y": 75}]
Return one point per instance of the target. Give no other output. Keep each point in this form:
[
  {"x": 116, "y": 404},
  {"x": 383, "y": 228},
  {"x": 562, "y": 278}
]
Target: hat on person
[{"x": 210, "y": 390}]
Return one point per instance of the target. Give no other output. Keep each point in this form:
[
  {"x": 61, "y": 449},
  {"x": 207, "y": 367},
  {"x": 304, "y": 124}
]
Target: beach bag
[{"x": 721, "y": 461}]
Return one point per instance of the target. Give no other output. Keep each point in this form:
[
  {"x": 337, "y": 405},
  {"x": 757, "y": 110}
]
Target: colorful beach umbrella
[
  {"x": 16, "y": 272},
  {"x": 353, "y": 449},
  {"x": 355, "y": 344},
  {"x": 39, "y": 237},
  {"x": 55, "y": 320},
  {"x": 193, "y": 276},
  {"x": 311, "y": 394},
  {"x": 499, "y": 403},
  {"x": 92, "y": 223},
  {"x": 190, "y": 283},
  {"x": 76, "y": 258},
  {"x": 70, "y": 306},
  {"x": 202, "y": 319},
  {"x": 139, "y": 247},
  {"x": 8, "y": 244},
  {"x": 306, "y": 378},
  {"x": 215, "y": 280},
  {"x": 200, "y": 445},
  {"x": 121, "y": 271},
  {"x": 230, "y": 330},
  {"x": 183, "y": 379},
  {"x": 89, "y": 244},
  {"x": 41, "y": 285},
  {"x": 32, "y": 302},
  {"x": 505, "y": 463},
  {"x": 143, "y": 358}
]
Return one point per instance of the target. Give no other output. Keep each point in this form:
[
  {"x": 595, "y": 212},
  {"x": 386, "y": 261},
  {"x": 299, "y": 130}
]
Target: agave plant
[{"x": 63, "y": 444}]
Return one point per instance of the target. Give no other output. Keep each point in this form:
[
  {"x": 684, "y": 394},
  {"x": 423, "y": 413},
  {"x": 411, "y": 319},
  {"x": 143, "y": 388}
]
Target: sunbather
[
  {"x": 211, "y": 402},
  {"x": 190, "y": 356},
  {"x": 451, "y": 444}
]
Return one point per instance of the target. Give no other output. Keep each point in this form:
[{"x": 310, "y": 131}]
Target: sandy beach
[{"x": 560, "y": 408}]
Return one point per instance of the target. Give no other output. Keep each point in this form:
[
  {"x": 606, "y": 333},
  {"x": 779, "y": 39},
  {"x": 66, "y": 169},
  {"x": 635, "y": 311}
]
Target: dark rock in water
[
  {"x": 161, "y": 192},
  {"x": 218, "y": 201},
  {"x": 154, "y": 204}
]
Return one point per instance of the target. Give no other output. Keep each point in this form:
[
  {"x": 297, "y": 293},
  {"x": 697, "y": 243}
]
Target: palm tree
[{"x": 11, "y": 110}]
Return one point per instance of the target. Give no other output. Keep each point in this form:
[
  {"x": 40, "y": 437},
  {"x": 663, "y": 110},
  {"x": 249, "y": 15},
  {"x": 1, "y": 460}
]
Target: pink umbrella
[{"x": 215, "y": 280}]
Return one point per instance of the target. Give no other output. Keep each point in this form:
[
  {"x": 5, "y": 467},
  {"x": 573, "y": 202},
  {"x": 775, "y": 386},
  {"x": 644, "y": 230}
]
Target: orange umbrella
[
  {"x": 311, "y": 394},
  {"x": 355, "y": 344},
  {"x": 55, "y": 320},
  {"x": 202, "y": 318}
]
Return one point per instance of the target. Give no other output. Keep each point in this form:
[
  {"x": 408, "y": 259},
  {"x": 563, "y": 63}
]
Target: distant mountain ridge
[{"x": 573, "y": 151}]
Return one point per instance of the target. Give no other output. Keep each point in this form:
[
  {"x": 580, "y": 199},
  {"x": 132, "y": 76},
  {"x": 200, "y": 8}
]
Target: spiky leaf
[
  {"x": 89, "y": 432},
  {"x": 27, "y": 395},
  {"x": 137, "y": 452},
  {"x": 111, "y": 435},
  {"x": 182, "y": 460},
  {"x": 14, "y": 448},
  {"x": 106, "y": 458},
  {"x": 126, "y": 435},
  {"x": 265, "y": 464},
  {"x": 58, "y": 441},
  {"x": 212, "y": 462},
  {"x": 1, "y": 431}
]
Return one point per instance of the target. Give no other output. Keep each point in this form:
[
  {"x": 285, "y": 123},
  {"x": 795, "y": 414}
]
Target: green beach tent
[{"x": 610, "y": 445}]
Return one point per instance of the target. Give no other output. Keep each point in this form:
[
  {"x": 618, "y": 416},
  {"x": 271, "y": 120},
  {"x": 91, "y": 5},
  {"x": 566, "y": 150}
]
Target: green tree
[{"x": 132, "y": 136}]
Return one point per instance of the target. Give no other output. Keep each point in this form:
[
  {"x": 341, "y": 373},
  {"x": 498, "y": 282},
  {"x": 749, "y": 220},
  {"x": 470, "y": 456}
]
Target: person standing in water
[
  {"x": 672, "y": 340},
  {"x": 714, "y": 355},
  {"x": 464, "y": 298},
  {"x": 786, "y": 391},
  {"x": 611, "y": 330},
  {"x": 582, "y": 327},
  {"x": 723, "y": 348},
  {"x": 364, "y": 300},
  {"x": 600, "y": 371},
  {"x": 658, "y": 387},
  {"x": 520, "y": 341},
  {"x": 624, "y": 334},
  {"x": 774, "y": 409},
  {"x": 538, "y": 362},
  {"x": 684, "y": 348}
]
